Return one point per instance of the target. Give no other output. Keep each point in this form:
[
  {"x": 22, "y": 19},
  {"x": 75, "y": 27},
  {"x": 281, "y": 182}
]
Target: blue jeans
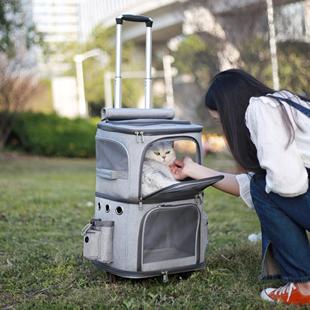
[{"x": 284, "y": 222}]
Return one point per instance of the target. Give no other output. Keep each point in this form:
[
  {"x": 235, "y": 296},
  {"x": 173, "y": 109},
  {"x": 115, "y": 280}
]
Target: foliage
[
  {"x": 103, "y": 38},
  {"x": 52, "y": 135},
  {"x": 293, "y": 60},
  {"x": 17, "y": 86},
  {"x": 295, "y": 66},
  {"x": 15, "y": 28},
  {"x": 44, "y": 205},
  {"x": 17, "y": 82},
  {"x": 42, "y": 100},
  {"x": 132, "y": 89},
  {"x": 197, "y": 57}
]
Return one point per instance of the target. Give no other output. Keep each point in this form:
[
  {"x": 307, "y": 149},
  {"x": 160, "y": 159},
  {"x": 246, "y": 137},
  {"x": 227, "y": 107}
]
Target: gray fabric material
[
  {"x": 121, "y": 153},
  {"x": 131, "y": 113},
  {"x": 148, "y": 121},
  {"x": 111, "y": 174},
  {"x": 111, "y": 155},
  {"x": 127, "y": 234},
  {"x": 107, "y": 224},
  {"x": 153, "y": 128},
  {"x": 128, "y": 189}
]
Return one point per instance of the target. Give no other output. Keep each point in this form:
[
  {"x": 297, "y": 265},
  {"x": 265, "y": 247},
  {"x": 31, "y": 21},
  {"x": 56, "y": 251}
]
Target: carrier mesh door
[{"x": 170, "y": 237}]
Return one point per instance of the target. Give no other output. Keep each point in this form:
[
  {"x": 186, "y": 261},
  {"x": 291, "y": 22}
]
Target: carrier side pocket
[
  {"x": 98, "y": 240},
  {"x": 106, "y": 242},
  {"x": 91, "y": 236}
]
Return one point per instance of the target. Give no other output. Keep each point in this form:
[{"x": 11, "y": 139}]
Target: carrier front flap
[{"x": 181, "y": 191}]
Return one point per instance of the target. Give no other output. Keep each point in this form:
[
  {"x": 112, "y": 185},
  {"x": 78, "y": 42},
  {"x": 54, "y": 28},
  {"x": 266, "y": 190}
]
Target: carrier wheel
[
  {"x": 112, "y": 278},
  {"x": 185, "y": 275}
]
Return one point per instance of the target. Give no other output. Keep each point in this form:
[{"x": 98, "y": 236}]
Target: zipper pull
[
  {"x": 198, "y": 199},
  {"x": 142, "y": 136},
  {"x": 137, "y": 136},
  {"x": 140, "y": 204},
  {"x": 85, "y": 229}
]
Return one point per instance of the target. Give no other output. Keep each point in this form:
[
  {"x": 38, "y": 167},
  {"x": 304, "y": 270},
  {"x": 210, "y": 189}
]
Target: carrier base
[{"x": 147, "y": 274}]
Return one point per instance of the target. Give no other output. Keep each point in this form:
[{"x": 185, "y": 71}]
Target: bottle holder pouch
[{"x": 98, "y": 240}]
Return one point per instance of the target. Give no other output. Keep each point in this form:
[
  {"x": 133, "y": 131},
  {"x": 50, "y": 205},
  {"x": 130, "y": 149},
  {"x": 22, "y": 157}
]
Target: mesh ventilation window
[
  {"x": 186, "y": 147},
  {"x": 180, "y": 147},
  {"x": 170, "y": 233},
  {"x": 112, "y": 157},
  {"x": 159, "y": 155}
]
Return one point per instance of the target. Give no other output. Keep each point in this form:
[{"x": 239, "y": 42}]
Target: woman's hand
[
  {"x": 181, "y": 168},
  {"x": 186, "y": 167}
]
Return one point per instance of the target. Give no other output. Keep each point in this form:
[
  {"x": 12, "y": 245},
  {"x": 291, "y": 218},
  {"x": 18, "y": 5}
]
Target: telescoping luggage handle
[{"x": 148, "y": 62}]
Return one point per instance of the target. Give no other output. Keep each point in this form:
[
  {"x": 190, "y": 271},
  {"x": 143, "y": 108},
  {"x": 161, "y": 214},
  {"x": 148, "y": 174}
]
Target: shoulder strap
[{"x": 292, "y": 103}]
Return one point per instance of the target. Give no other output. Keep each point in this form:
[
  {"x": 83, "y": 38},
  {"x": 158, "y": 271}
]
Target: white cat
[{"x": 156, "y": 173}]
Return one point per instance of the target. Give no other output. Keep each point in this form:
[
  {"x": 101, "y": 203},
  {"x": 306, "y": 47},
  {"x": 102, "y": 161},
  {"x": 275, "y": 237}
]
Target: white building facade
[{"x": 59, "y": 22}]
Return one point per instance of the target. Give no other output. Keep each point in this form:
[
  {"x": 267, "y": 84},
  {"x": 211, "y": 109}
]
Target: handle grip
[{"x": 135, "y": 18}]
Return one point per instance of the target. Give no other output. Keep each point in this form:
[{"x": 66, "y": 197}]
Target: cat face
[{"x": 162, "y": 152}]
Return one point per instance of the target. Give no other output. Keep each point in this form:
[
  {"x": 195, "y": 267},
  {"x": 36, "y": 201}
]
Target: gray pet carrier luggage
[{"x": 166, "y": 231}]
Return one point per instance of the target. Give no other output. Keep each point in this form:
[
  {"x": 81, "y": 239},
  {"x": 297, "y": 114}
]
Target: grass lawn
[{"x": 44, "y": 203}]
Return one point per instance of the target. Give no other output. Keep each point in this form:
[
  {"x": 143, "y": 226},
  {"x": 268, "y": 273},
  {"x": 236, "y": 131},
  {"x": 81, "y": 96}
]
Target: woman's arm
[{"x": 188, "y": 168}]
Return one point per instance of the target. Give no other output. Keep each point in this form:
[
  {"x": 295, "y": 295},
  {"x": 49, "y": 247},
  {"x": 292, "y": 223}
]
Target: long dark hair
[{"x": 229, "y": 94}]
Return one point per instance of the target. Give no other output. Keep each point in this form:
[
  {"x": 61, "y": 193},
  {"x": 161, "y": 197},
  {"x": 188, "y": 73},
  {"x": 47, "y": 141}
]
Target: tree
[
  {"x": 103, "y": 38},
  {"x": 17, "y": 85},
  {"x": 17, "y": 82},
  {"x": 294, "y": 63},
  {"x": 198, "y": 57},
  {"x": 195, "y": 56},
  {"x": 15, "y": 29}
]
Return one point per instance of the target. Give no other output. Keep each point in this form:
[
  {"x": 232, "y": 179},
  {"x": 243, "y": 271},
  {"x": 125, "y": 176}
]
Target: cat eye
[
  {"x": 157, "y": 153},
  {"x": 168, "y": 152}
]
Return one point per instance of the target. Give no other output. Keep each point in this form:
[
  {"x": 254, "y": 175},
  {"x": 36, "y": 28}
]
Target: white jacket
[{"x": 284, "y": 163}]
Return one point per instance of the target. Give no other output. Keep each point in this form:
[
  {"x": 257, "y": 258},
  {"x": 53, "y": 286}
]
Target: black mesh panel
[
  {"x": 170, "y": 233},
  {"x": 111, "y": 156}
]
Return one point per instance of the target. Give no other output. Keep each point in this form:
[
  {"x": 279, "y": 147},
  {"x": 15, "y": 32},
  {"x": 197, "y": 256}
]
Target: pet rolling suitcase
[{"x": 132, "y": 235}]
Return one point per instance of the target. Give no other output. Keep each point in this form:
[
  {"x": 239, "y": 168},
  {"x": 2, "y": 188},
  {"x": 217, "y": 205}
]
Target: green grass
[{"x": 43, "y": 207}]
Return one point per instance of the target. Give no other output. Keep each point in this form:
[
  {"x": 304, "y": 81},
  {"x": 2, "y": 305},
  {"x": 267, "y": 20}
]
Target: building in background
[
  {"x": 58, "y": 21},
  {"x": 73, "y": 20},
  {"x": 228, "y": 23},
  {"x": 292, "y": 16}
]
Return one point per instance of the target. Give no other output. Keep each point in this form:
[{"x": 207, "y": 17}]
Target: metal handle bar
[{"x": 148, "y": 59}]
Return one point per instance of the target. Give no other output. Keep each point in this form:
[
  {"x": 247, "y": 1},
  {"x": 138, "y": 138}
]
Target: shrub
[{"x": 52, "y": 135}]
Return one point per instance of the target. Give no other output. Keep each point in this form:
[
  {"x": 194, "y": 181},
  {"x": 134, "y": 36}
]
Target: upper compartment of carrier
[{"x": 146, "y": 121}]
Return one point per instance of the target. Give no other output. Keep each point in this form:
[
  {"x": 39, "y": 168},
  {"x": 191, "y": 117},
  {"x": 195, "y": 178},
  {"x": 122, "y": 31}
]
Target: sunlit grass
[{"x": 45, "y": 203}]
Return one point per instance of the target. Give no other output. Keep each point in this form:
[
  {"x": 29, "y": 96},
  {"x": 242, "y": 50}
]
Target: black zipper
[{"x": 148, "y": 132}]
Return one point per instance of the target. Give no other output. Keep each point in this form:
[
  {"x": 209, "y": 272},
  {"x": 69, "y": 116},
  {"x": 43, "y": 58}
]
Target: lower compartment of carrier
[{"x": 139, "y": 243}]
